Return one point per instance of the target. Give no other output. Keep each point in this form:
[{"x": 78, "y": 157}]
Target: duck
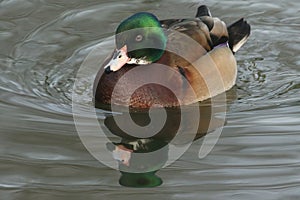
[{"x": 170, "y": 62}]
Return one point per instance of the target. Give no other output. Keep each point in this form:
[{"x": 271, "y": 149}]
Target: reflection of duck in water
[
  {"x": 138, "y": 169},
  {"x": 141, "y": 155},
  {"x": 140, "y": 158}
]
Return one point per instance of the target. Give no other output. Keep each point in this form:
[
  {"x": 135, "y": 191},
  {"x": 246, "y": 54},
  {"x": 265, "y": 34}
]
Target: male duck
[{"x": 194, "y": 73}]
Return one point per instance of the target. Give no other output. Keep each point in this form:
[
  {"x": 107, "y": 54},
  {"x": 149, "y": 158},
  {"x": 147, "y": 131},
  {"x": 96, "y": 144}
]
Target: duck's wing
[
  {"x": 209, "y": 70},
  {"x": 195, "y": 29},
  {"x": 206, "y": 30},
  {"x": 217, "y": 28},
  {"x": 235, "y": 34}
]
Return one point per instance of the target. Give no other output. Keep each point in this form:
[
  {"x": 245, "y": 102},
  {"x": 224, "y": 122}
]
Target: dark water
[{"x": 43, "y": 44}]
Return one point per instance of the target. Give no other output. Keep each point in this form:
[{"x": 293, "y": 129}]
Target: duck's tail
[
  {"x": 238, "y": 33},
  {"x": 203, "y": 11}
]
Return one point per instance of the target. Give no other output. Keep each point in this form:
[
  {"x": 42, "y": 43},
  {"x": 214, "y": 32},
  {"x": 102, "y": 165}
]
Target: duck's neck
[{"x": 140, "y": 61}]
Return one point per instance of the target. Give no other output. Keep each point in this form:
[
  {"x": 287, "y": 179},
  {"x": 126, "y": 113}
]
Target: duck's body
[{"x": 196, "y": 63}]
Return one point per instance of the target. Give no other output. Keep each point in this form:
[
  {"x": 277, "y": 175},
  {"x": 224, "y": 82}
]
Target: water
[{"x": 43, "y": 44}]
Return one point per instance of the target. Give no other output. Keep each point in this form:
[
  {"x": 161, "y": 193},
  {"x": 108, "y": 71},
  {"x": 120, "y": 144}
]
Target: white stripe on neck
[{"x": 140, "y": 61}]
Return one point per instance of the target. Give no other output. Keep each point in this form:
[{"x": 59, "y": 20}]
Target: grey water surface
[{"x": 42, "y": 46}]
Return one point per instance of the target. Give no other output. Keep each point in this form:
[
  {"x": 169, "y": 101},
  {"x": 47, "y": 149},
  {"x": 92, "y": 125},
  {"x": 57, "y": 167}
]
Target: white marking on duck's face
[
  {"x": 122, "y": 154},
  {"x": 118, "y": 60}
]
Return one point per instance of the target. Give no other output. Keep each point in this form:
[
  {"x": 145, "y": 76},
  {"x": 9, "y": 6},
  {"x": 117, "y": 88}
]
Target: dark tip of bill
[{"x": 107, "y": 70}]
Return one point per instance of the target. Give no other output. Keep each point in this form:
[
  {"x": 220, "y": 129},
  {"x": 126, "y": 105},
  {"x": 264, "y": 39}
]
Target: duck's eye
[{"x": 139, "y": 38}]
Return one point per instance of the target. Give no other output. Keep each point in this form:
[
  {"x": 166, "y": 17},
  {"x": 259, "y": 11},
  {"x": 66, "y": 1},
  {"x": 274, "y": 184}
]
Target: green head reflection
[{"x": 149, "y": 179}]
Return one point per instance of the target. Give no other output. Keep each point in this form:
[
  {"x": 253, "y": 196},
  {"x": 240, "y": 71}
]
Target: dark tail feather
[
  {"x": 204, "y": 14},
  {"x": 238, "y": 33},
  {"x": 203, "y": 11}
]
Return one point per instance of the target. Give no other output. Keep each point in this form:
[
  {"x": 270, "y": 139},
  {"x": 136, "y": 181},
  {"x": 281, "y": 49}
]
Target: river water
[{"x": 42, "y": 46}]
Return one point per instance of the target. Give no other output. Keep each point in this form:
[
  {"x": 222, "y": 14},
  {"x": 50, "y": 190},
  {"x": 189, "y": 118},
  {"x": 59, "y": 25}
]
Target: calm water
[{"x": 42, "y": 45}]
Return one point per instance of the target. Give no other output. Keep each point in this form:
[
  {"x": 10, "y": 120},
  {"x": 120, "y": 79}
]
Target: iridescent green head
[{"x": 140, "y": 39}]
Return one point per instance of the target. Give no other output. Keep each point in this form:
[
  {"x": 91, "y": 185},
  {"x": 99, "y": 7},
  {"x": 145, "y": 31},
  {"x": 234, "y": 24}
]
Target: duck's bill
[{"x": 118, "y": 60}]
